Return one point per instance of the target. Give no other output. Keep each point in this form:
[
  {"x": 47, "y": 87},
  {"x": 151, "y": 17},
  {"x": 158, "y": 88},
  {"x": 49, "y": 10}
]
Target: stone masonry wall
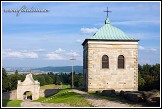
[
  {"x": 112, "y": 78},
  {"x": 33, "y": 88},
  {"x": 85, "y": 65},
  {"x": 11, "y": 95}
]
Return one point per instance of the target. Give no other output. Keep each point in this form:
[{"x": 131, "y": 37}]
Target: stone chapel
[{"x": 110, "y": 60}]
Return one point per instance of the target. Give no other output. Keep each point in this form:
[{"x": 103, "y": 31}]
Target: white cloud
[
  {"x": 8, "y": 53},
  {"x": 146, "y": 49},
  {"x": 73, "y": 54},
  {"x": 58, "y": 54},
  {"x": 88, "y": 30},
  {"x": 54, "y": 56},
  {"x": 141, "y": 48},
  {"x": 61, "y": 54},
  {"x": 30, "y": 55},
  {"x": 59, "y": 50}
]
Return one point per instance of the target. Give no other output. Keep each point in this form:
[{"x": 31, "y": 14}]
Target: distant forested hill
[{"x": 77, "y": 69}]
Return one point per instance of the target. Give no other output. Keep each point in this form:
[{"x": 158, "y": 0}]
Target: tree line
[
  {"x": 148, "y": 78},
  {"x": 9, "y": 82}
]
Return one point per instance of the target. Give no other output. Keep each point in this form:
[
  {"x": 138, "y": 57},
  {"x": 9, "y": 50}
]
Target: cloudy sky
[{"x": 52, "y": 38}]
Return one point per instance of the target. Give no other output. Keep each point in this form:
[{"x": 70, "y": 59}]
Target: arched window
[
  {"x": 121, "y": 61},
  {"x": 105, "y": 61}
]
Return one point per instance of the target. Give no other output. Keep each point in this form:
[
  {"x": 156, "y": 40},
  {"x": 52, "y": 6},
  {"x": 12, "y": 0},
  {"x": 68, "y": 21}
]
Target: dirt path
[
  {"x": 99, "y": 102},
  {"x": 28, "y": 103}
]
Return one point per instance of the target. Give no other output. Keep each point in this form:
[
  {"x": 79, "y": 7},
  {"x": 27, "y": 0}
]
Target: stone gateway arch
[{"x": 28, "y": 85}]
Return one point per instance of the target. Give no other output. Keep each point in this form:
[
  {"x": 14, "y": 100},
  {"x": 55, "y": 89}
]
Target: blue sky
[{"x": 52, "y": 38}]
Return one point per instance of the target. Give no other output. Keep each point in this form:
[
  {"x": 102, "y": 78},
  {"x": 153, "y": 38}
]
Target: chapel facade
[{"x": 110, "y": 60}]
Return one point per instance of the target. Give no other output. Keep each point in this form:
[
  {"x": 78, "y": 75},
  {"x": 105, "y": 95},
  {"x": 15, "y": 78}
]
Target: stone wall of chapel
[
  {"x": 112, "y": 78},
  {"x": 85, "y": 67}
]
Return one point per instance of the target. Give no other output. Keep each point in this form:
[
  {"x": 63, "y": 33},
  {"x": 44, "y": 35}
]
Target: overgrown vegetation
[{"x": 11, "y": 103}]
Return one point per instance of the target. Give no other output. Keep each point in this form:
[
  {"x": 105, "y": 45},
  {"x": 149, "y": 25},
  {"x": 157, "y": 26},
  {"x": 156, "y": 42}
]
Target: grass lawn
[
  {"x": 57, "y": 94},
  {"x": 11, "y": 103},
  {"x": 50, "y": 86},
  {"x": 66, "y": 86},
  {"x": 70, "y": 98},
  {"x": 53, "y": 86}
]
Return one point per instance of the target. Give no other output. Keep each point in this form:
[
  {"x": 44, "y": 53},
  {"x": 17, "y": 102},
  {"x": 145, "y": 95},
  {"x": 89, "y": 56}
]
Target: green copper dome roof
[{"x": 109, "y": 32}]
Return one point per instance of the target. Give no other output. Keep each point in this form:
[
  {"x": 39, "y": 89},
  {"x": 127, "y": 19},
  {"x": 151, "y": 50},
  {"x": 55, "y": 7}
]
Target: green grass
[
  {"x": 44, "y": 98},
  {"x": 11, "y": 103},
  {"x": 70, "y": 98},
  {"x": 111, "y": 98},
  {"x": 53, "y": 86},
  {"x": 66, "y": 86},
  {"x": 64, "y": 96},
  {"x": 50, "y": 86}
]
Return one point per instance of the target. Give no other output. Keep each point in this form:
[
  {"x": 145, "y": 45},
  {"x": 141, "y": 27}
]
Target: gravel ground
[
  {"x": 28, "y": 103},
  {"x": 99, "y": 102}
]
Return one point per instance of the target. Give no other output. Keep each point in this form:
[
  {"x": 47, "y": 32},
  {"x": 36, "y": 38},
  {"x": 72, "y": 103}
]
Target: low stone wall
[
  {"x": 48, "y": 92},
  {"x": 12, "y": 95}
]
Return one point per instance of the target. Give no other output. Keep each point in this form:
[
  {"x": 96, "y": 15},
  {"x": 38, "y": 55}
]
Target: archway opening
[{"x": 27, "y": 95}]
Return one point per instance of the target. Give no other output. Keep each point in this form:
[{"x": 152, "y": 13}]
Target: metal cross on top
[{"x": 107, "y": 12}]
